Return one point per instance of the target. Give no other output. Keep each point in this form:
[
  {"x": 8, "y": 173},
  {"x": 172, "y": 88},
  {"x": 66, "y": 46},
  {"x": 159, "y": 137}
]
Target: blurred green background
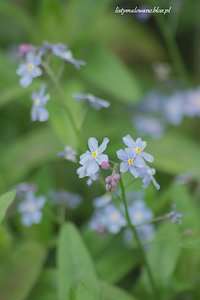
[{"x": 120, "y": 52}]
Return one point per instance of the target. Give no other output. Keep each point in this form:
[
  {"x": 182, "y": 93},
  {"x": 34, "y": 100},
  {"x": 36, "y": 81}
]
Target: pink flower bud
[
  {"x": 105, "y": 165},
  {"x": 108, "y": 179},
  {"x": 25, "y": 48},
  {"x": 116, "y": 177}
]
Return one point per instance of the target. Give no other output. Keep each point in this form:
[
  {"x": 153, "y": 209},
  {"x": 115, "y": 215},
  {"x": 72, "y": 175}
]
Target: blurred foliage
[{"x": 119, "y": 51}]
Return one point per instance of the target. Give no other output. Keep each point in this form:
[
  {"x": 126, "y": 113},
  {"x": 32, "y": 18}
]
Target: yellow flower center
[
  {"x": 130, "y": 161},
  {"x": 31, "y": 207},
  {"x": 114, "y": 217},
  {"x": 94, "y": 154},
  {"x": 30, "y": 67},
  {"x": 138, "y": 150},
  {"x": 37, "y": 101}
]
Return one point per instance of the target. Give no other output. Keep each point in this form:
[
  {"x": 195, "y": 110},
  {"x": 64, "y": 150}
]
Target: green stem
[
  {"x": 62, "y": 96},
  {"x": 136, "y": 236}
]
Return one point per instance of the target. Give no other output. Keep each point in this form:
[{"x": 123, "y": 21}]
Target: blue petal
[
  {"x": 101, "y": 157},
  {"x": 92, "y": 168},
  {"x": 103, "y": 146},
  {"x": 93, "y": 144},
  {"x": 133, "y": 171},
  {"x": 124, "y": 167},
  {"x": 25, "y": 81},
  {"x": 128, "y": 141},
  {"x": 147, "y": 156},
  {"x": 122, "y": 155}
]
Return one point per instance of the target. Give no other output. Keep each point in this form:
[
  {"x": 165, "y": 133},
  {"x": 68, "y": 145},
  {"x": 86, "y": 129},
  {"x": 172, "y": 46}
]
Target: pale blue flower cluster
[
  {"x": 107, "y": 216},
  {"x": 65, "y": 198},
  {"x": 140, "y": 216},
  {"x": 156, "y": 111},
  {"x": 92, "y": 159},
  {"x": 31, "y": 68},
  {"x": 39, "y": 111},
  {"x": 94, "y": 102},
  {"x": 31, "y": 209},
  {"x": 133, "y": 159}
]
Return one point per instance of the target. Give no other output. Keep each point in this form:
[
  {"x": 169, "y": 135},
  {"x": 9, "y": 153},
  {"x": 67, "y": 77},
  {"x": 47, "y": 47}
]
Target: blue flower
[
  {"x": 102, "y": 201},
  {"x": 109, "y": 218},
  {"x": 96, "y": 103},
  {"x": 30, "y": 209},
  {"x": 174, "y": 108},
  {"x": 147, "y": 175},
  {"x": 112, "y": 219},
  {"x": 192, "y": 103},
  {"x": 69, "y": 153},
  {"x": 149, "y": 126},
  {"x": 139, "y": 213},
  {"x": 91, "y": 160},
  {"x": 146, "y": 233},
  {"x": 62, "y": 51},
  {"x": 66, "y": 198},
  {"x": 29, "y": 70},
  {"x": 130, "y": 161},
  {"x": 138, "y": 147},
  {"x": 39, "y": 112},
  {"x": 174, "y": 216}
]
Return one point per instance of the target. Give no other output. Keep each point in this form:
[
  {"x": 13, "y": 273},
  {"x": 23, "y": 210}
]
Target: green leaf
[
  {"x": 118, "y": 258},
  {"x": 111, "y": 292},
  {"x": 176, "y": 153},
  {"x": 163, "y": 255},
  {"x": 84, "y": 292},
  {"x": 46, "y": 288},
  {"x": 107, "y": 72},
  {"x": 20, "y": 271},
  {"x": 5, "y": 201},
  {"x": 74, "y": 263}
]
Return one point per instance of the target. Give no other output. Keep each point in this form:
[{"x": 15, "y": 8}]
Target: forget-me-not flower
[
  {"x": 140, "y": 214},
  {"x": 112, "y": 219},
  {"x": 147, "y": 175},
  {"x": 29, "y": 69},
  {"x": 91, "y": 160},
  {"x": 109, "y": 218},
  {"x": 96, "y": 103},
  {"x": 62, "y": 51},
  {"x": 174, "y": 108},
  {"x": 69, "y": 153},
  {"x": 39, "y": 111},
  {"x": 66, "y": 198},
  {"x": 130, "y": 161},
  {"x": 102, "y": 201},
  {"x": 30, "y": 209},
  {"x": 138, "y": 147},
  {"x": 149, "y": 125}
]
